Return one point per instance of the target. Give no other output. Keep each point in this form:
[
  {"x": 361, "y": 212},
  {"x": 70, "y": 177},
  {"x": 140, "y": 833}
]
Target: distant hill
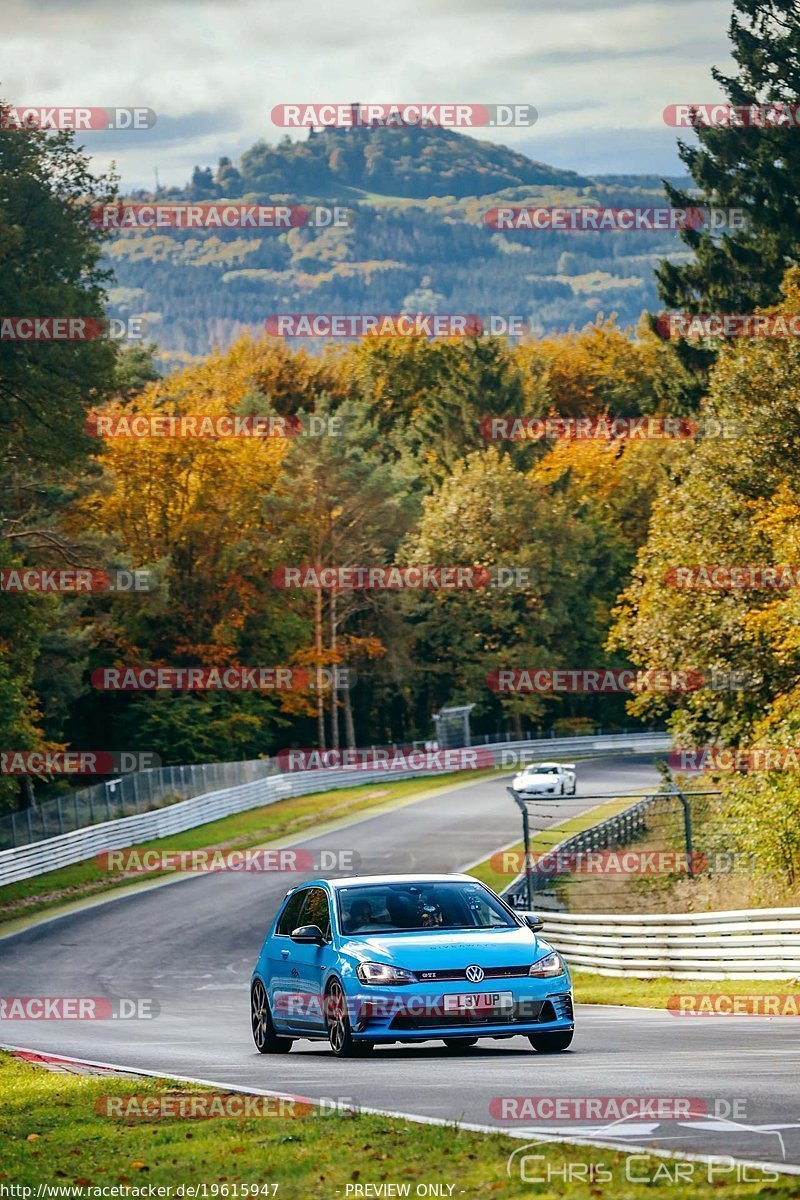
[
  {"x": 411, "y": 162},
  {"x": 418, "y": 240}
]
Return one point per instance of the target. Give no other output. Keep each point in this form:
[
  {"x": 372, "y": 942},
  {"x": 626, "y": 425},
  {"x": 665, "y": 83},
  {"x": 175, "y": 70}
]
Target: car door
[
  {"x": 308, "y": 961},
  {"x": 282, "y": 989}
]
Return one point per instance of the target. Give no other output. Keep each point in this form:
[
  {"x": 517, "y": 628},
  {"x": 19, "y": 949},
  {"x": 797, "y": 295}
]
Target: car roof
[
  {"x": 528, "y": 766},
  {"x": 428, "y": 877}
]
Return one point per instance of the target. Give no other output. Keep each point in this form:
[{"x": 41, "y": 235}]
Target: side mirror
[
  {"x": 306, "y": 934},
  {"x": 533, "y": 921}
]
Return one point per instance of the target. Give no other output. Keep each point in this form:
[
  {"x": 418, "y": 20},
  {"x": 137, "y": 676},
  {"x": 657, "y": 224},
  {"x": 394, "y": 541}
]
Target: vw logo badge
[{"x": 474, "y": 974}]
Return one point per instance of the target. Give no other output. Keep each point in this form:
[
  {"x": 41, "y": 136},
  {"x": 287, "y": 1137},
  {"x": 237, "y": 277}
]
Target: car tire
[
  {"x": 550, "y": 1043},
  {"x": 459, "y": 1043},
  {"x": 264, "y": 1035},
  {"x": 340, "y": 1034}
]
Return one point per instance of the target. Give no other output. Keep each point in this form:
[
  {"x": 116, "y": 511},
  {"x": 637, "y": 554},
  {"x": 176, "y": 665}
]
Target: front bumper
[{"x": 417, "y": 1013}]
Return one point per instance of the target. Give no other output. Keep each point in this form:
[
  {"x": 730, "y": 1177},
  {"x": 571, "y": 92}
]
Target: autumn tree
[
  {"x": 191, "y": 511},
  {"x": 730, "y": 500},
  {"x": 541, "y": 613},
  {"x": 339, "y": 503}
]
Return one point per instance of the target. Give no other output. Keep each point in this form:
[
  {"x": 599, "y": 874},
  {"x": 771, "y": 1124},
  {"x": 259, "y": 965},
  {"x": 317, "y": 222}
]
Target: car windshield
[
  {"x": 541, "y": 771},
  {"x": 395, "y": 907}
]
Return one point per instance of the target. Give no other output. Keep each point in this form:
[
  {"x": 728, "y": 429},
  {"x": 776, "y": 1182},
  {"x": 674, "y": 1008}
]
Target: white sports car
[{"x": 546, "y": 779}]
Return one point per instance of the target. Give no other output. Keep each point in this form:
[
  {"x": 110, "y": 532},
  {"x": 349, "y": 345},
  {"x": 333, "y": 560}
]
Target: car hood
[
  {"x": 454, "y": 950},
  {"x": 532, "y": 781}
]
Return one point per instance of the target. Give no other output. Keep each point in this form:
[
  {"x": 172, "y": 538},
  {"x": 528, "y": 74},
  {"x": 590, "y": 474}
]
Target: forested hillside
[{"x": 418, "y": 240}]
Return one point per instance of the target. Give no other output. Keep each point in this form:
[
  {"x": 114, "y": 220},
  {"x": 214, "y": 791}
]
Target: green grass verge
[
  {"x": 257, "y": 827},
  {"x": 545, "y": 840},
  {"x": 655, "y": 993},
  {"x": 54, "y": 1135}
]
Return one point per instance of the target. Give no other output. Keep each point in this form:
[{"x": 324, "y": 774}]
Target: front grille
[
  {"x": 517, "y": 972},
  {"x": 522, "y": 1012}
]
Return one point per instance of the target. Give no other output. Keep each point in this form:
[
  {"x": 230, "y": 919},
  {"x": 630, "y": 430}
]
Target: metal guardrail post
[
  {"x": 526, "y": 837},
  {"x": 687, "y": 832}
]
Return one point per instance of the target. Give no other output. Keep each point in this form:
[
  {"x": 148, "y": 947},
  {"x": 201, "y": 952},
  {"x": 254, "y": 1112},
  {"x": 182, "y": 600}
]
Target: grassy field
[
  {"x": 655, "y": 993},
  {"x": 258, "y": 827},
  {"x": 53, "y": 1134}
]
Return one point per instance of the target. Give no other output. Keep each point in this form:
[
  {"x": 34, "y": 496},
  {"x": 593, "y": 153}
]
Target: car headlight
[
  {"x": 551, "y": 964},
  {"x": 370, "y": 972}
]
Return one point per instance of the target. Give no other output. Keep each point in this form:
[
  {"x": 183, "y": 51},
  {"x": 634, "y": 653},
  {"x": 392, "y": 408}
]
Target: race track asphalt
[{"x": 191, "y": 945}]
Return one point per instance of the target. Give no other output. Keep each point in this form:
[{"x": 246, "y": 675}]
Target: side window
[
  {"x": 316, "y": 911},
  {"x": 289, "y": 918}
]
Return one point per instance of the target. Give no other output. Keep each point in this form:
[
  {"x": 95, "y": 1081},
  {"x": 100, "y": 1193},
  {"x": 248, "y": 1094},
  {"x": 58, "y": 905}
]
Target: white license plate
[{"x": 477, "y": 1001}]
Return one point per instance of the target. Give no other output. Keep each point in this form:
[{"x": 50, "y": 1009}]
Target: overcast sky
[{"x": 600, "y": 73}]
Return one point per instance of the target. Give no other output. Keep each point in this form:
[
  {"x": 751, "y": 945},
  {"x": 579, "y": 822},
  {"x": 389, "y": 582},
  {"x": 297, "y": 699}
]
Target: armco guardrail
[
  {"x": 764, "y": 943},
  {"x": 142, "y": 791},
  {"x": 509, "y": 753},
  {"x": 24, "y": 862}
]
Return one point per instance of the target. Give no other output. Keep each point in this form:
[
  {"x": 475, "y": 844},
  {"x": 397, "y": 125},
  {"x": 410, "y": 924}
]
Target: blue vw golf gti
[{"x": 376, "y": 959}]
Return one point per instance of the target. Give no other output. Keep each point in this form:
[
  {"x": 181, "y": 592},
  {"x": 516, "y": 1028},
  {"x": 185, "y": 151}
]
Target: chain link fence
[
  {"x": 139, "y": 792},
  {"x": 144, "y": 791},
  {"x": 630, "y": 861}
]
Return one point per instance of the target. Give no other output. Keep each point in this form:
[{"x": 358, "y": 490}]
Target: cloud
[
  {"x": 213, "y": 71},
  {"x": 173, "y": 133}
]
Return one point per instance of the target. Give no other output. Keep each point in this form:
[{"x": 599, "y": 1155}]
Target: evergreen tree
[{"x": 754, "y": 168}]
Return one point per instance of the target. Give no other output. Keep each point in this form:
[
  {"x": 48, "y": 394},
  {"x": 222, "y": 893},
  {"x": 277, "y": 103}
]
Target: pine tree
[{"x": 754, "y": 168}]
